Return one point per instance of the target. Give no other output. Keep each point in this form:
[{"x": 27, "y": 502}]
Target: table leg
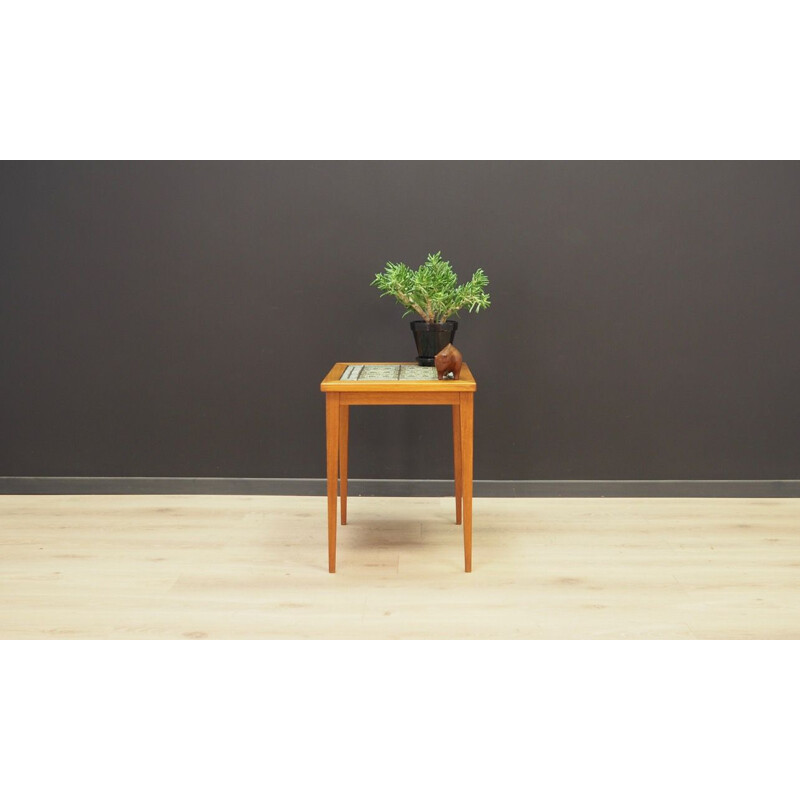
[
  {"x": 344, "y": 426},
  {"x": 332, "y": 446},
  {"x": 466, "y": 414},
  {"x": 457, "y": 458}
]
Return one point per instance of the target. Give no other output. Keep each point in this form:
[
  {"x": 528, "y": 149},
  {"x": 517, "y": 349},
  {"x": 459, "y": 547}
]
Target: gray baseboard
[{"x": 398, "y": 488}]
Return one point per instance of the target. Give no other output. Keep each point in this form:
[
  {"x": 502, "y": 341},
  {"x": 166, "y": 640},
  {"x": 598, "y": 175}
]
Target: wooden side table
[{"x": 341, "y": 394}]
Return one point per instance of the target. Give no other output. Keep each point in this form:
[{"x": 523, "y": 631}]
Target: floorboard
[{"x": 255, "y": 567}]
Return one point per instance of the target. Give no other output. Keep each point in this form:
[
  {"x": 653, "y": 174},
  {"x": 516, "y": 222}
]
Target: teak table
[{"x": 341, "y": 394}]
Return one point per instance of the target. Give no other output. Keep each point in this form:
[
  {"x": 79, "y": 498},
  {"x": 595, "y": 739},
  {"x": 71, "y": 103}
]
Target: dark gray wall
[{"x": 175, "y": 319}]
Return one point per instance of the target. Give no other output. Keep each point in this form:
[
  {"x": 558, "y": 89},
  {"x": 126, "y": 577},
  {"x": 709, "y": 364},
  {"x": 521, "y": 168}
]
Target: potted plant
[{"x": 432, "y": 291}]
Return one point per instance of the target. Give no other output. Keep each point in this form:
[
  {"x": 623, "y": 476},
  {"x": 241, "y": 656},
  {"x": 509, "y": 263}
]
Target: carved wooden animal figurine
[{"x": 448, "y": 360}]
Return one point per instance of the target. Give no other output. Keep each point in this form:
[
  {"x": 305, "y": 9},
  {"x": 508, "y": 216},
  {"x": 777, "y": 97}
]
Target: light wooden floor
[{"x": 252, "y": 567}]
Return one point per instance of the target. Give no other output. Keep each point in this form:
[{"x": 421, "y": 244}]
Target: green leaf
[{"x": 432, "y": 290}]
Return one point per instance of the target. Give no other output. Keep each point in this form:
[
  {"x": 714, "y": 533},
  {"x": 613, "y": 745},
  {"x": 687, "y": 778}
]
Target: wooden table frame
[{"x": 340, "y": 395}]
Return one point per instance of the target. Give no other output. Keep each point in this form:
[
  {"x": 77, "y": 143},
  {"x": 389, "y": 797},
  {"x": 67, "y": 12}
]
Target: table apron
[{"x": 400, "y": 398}]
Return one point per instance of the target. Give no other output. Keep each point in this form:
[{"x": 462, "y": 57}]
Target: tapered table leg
[
  {"x": 466, "y": 414},
  {"x": 332, "y": 447},
  {"x": 457, "y": 458},
  {"x": 344, "y": 427}
]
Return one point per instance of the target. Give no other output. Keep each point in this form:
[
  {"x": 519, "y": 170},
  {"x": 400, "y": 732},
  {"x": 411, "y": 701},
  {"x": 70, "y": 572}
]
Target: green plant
[{"x": 432, "y": 290}]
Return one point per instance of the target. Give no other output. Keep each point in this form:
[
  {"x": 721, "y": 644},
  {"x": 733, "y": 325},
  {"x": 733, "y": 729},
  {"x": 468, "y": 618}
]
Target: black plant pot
[{"x": 430, "y": 338}]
